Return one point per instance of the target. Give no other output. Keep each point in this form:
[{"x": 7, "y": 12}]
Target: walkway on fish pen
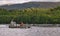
[{"x": 36, "y": 25}]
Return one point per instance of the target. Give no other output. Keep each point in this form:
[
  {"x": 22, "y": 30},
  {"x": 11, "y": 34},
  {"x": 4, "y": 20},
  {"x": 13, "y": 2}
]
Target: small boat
[{"x": 14, "y": 25}]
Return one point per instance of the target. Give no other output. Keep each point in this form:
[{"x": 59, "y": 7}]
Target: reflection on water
[{"x": 33, "y": 31}]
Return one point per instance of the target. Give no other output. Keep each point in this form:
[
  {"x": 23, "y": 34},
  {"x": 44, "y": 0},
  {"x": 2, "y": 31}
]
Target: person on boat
[{"x": 21, "y": 24}]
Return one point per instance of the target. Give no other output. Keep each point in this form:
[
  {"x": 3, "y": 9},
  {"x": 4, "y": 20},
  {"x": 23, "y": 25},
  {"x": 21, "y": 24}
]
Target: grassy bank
[{"x": 31, "y": 15}]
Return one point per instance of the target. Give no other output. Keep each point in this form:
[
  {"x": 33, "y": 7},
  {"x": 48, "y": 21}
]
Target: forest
[{"x": 31, "y": 15}]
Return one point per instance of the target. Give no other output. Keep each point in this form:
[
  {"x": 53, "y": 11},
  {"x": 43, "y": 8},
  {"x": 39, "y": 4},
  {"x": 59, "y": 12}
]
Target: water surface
[{"x": 33, "y": 31}]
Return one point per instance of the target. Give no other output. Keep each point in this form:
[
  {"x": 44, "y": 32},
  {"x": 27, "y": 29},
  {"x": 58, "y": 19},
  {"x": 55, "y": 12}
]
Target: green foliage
[{"x": 31, "y": 15}]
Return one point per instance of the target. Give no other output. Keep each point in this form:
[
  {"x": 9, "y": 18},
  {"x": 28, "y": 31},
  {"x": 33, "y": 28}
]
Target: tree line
[{"x": 31, "y": 15}]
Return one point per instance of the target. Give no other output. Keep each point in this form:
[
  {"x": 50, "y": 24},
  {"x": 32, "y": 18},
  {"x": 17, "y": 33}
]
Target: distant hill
[{"x": 32, "y": 4}]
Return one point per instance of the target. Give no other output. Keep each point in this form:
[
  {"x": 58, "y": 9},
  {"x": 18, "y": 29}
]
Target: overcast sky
[{"x": 2, "y": 2}]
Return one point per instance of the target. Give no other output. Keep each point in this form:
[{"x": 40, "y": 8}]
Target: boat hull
[{"x": 17, "y": 26}]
